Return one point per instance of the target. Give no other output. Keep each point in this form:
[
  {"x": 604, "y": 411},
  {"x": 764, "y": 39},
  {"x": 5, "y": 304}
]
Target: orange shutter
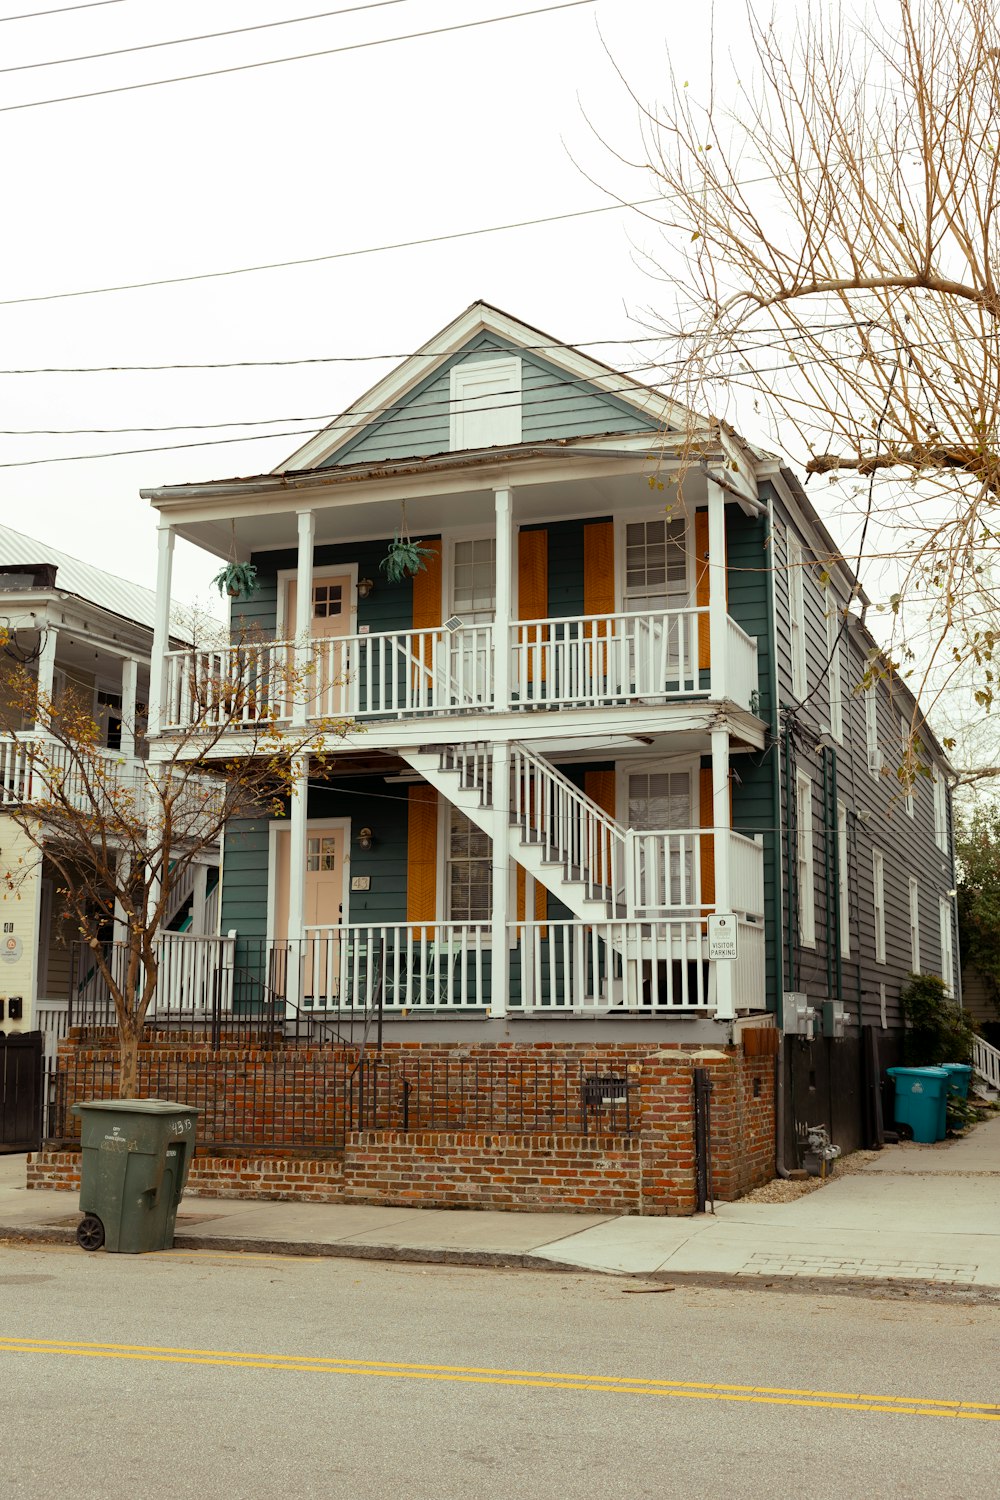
[
  {"x": 541, "y": 898},
  {"x": 421, "y": 855},
  {"x": 533, "y": 588},
  {"x": 427, "y": 590},
  {"x": 600, "y": 788},
  {"x": 701, "y": 584},
  {"x": 707, "y": 804},
  {"x": 599, "y": 568}
]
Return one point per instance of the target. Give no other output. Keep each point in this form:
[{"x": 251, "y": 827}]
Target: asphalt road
[{"x": 201, "y": 1374}]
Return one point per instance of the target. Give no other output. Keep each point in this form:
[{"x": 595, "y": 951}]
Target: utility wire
[
  {"x": 31, "y": 15},
  {"x": 272, "y": 62},
  {"x": 208, "y": 36}
]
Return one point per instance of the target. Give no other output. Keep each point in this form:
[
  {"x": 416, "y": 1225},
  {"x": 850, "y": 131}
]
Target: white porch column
[
  {"x": 130, "y": 682},
  {"x": 161, "y": 626},
  {"x": 120, "y": 932},
  {"x": 722, "y": 821},
  {"x": 499, "y": 941},
  {"x": 46, "y": 672},
  {"x": 298, "y": 834},
  {"x": 504, "y": 502},
  {"x": 199, "y": 895},
  {"x": 303, "y": 620},
  {"x": 718, "y": 633}
]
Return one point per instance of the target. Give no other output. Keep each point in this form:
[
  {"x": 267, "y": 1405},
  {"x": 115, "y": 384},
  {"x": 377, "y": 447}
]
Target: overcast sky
[{"x": 340, "y": 153}]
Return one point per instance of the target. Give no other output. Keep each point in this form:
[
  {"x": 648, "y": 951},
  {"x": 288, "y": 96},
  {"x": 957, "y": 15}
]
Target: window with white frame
[
  {"x": 469, "y": 862},
  {"x": 904, "y": 745},
  {"x": 485, "y": 403},
  {"x": 656, "y": 564},
  {"x": 947, "y": 956},
  {"x": 796, "y": 616},
  {"x": 804, "y": 861},
  {"x": 662, "y": 800},
  {"x": 843, "y": 882},
  {"x": 871, "y": 728},
  {"x": 914, "y": 925},
  {"x": 834, "y": 642},
  {"x": 474, "y": 580},
  {"x": 878, "y": 886},
  {"x": 940, "y": 812}
]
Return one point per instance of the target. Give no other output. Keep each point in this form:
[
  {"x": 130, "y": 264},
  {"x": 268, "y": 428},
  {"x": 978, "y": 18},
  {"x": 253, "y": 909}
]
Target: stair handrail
[{"x": 986, "y": 1061}]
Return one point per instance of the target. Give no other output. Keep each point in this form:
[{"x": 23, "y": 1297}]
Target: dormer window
[{"x": 486, "y": 403}]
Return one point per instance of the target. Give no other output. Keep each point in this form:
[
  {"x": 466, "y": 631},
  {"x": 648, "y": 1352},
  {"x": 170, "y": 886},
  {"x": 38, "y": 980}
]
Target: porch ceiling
[{"x": 371, "y": 509}]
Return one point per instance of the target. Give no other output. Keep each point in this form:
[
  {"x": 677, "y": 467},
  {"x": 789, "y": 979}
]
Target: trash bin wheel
[{"x": 90, "y": 1233}]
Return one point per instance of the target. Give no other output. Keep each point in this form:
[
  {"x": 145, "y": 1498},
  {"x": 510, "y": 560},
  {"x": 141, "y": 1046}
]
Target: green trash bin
[
  {"x": 136, "y": 1157},
  {"x": 921, "y": 1101},
  {"x": 959, "y": 1078}
]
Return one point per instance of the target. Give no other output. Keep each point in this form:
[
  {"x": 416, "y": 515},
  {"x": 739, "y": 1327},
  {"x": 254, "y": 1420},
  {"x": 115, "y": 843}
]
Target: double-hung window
[
  {"x": 947, "y": 956},
  {"x": 804, "y": 861},
  {"x": 940, "y": 812},
  {"x": 843, "y": 882},
  {"x": 470, "y": 870},
  {"x": 871, "y": 728},
  {"x": 834, "y": 642},
  {"x": 914, "y": 925},
  {"x": 656, "y": 564},
  {"x": 904, "y": 745},
  {"x": 878, "y": 887}
]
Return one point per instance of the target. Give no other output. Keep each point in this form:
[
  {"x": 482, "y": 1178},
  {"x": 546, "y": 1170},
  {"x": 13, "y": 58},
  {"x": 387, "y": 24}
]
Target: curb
[{"x": 893, "y": 1289}]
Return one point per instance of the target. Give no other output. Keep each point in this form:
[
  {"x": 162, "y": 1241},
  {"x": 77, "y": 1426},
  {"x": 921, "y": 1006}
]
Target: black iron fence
[{"x": 309, "y": 1101}]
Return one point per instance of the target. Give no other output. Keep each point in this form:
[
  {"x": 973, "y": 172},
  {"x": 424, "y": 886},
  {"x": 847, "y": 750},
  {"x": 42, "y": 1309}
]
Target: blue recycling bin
[
  {"x": 921, "y": 1101},
  {"x": 959, "y": 1078}
]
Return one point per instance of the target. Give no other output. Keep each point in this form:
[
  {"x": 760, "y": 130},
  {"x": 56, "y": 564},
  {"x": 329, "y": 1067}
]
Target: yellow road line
[{"x": 539, "y": 1379}]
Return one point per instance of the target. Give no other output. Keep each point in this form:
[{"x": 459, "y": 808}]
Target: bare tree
[
  {"x": 122, "y": 833},
  {"x": 841, "y": 272}
]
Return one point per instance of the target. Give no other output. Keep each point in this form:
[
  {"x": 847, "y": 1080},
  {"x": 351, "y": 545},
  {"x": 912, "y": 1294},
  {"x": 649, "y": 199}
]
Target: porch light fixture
[
  {"x": 365, "y": 838},
  {"x": 365, "y": 587}
]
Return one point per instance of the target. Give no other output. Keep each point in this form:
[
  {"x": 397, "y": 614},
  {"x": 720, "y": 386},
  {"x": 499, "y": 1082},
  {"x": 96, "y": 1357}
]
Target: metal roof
[{"x": 117, "y": 595}]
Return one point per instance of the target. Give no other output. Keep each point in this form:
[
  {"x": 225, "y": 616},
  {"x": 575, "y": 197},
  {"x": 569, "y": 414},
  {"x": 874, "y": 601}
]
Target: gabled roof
[
  {"x": 480, "y": 318},
  {"x": 116, "y": 595}
]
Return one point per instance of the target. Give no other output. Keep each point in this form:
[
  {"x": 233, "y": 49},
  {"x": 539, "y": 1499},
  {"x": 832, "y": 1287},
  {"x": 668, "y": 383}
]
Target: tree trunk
[{"x": 128, "y": 1049}]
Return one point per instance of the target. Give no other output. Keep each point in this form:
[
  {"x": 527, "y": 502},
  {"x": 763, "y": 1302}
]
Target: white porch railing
[
  {"x": 421, "y": 966},
  {"x": 986, "y": 1061},
  {"x": 742, "y": 684},
  {"x": 664, "y": 871},
  {"x": 602, "y": 659},
  {"x": 195, "y": 974},
  {"x": 33, "y": 767}
]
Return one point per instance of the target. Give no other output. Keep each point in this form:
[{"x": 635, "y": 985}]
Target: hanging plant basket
[
  {"x": 404, "y": 558},
  {"x": 237, "y": 579}
]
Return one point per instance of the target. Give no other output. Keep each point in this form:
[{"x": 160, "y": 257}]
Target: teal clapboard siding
[
  {"x": 554, "y": 405},
  {"x": 754, "y": 809},
  {"x": 367, "y": 801}
]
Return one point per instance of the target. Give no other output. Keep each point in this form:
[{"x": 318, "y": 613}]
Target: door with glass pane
[
  {"x": 668, "y": 870},
  {"x": 323, "y": 908},
  {"x": 657, "y": 578},
  {"x": 327, "y": 687},
  {"x": 473, "y": 601}
]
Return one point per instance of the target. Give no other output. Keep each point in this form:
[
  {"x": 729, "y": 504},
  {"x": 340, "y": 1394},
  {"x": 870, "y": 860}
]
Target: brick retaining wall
[{"x": 651, "y": 1171}]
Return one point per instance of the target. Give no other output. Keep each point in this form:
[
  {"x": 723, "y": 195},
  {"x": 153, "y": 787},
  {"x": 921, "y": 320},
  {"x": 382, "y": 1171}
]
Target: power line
[
  {"x": 272, "y": 62},
  {"x": 31, "y": 15},
  {"x": 208, "y": 36},
  {"x": 312, "y": 260},
  {"x": 770, "y": 342}
]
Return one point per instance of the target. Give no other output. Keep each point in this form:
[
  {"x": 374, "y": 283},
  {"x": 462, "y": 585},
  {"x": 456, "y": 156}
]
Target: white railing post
[
  {"x": 631, "y": 872},
  {"x": 500, "y": 955},
  {"x": 161, "y": 627},
  {"x": 298, "y": 841},
  {"x": 717, "y": 633},
  {"x": 503, "y": 499},
  {"x": 721, "y": 821},
  {"x": 303, "y": 619}
]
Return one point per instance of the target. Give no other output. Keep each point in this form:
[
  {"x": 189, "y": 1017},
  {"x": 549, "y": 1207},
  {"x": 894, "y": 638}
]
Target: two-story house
[
  {"x": 78, "y": 632},
  {"x": 605, "y": 768}
]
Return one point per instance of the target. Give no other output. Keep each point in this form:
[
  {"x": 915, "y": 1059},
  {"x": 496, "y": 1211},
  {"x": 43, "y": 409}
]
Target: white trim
[
  {"x": 622, "y": 519},
  {"x": 878, "y": 903},
  {"x": 914, "y": 925},
  {"x": 947, "y": 943},
  {"x": 449, "y": 341},
  {"x": 904, "y": 742},
  {"x": 647, "y": 765},
  {"x": 467, "y": 534},
  {"x": 795, "y": 565},
  {"x": 844, "y": 886},
  {"x": 277, "y": 826},
  {"x": 285, "y": 575},
  {"x": 871, "y": 728},
  {"x": 834, "y": 670},
  {"x": 940, "y": 811},
  {"x": 805, "y": 854}
]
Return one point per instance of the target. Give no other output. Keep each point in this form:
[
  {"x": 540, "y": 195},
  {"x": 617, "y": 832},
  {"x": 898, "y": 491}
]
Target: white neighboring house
[{"x": 78, "y": 629}]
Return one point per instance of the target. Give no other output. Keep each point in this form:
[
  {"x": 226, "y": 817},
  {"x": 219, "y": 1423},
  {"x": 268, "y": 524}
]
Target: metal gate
[
  {"x": 704, "y": 1188},
  {"x": 21, "y": 1092}
]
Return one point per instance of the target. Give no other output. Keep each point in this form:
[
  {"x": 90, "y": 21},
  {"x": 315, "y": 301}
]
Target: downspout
[
  {"x": 827, "y": 871},
  {"x": 776, "y": 867},
  {"x": 838, "y": 963}
]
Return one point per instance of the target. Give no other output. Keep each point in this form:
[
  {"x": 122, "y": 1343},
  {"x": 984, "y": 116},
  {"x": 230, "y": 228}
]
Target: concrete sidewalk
[{"x": 916, "y": 1213}]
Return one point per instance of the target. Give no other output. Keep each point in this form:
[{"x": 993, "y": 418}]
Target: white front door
[
  {"x": 663, "y": 800},
  {"x": 324, "y": 907},
  {"x": 473, "y": 601}
]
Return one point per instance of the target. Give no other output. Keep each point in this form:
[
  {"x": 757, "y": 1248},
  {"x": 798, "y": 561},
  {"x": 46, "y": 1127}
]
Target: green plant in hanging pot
[
  {"x": 237, "y": 579},
  {"x": 404, "y": 558}
]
